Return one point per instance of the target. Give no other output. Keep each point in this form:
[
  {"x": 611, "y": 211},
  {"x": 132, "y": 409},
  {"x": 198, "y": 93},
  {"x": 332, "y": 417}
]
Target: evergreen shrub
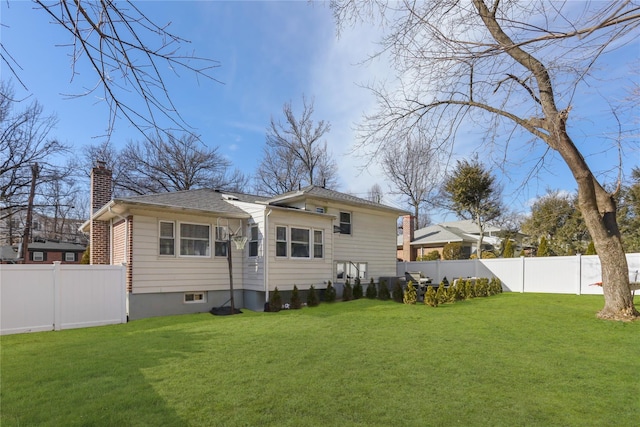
[
  {"x": 441, "y": 295},
  {"x": 430, "y": 297},
  {"x": 330, "y": 293},
  {"x": 398, "y": 293},
  {"x": 275, "y": 301},
  {"x": 295, "y": 302},
  {"x": 410, "y": 295},
  {"x": 357, "y": 289},
  {"x": 383, "y": 290},
  {"x": 372, "y": 292},
  {"x": 347, "y": 292},
  {"x": 312, "y": 297}
]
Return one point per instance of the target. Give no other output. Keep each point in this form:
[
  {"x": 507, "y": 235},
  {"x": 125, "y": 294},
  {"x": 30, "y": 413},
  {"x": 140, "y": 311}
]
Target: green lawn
[{"x": 511, "y": 359}]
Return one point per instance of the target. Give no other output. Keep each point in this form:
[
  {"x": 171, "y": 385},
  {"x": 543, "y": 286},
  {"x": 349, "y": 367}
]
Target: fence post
[
  {"x": 125, "y": 297},
  {"x": 579, "y": 287},
  {"x": 522, "y": 279},
  {"x": 57, "y": 316}
]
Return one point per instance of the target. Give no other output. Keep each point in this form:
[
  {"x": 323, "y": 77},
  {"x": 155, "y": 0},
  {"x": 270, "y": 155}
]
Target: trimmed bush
[
  {"x": 452, "y": 251},
  {"x": 591, "y": 249},
  {"x": 295, "y": 302},
  {"x": 410, "y": 295},
  {"x": 357, "y": 289},
  {"x": 467, "y": 291},
  {"x": 86, "y": 256},
  {"x": 441, "y": 295},
  {"x": 383, "y": 291},
  {"x": 330, "y": 293},
  {"x": 495, "y": 286},
  {"x": 275, "y": 301},
  {"x": 430, "y": 297},
  {"x": 398, "y": 293},
  {"x": 312, "y": 297},
  {"x": 508, "y": 250},
  {"x": 347, "y": 292},
  {"x": 372, "y": 292}
]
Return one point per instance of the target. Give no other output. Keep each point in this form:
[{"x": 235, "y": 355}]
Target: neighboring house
[
  {"x": 413, "y": 244},
  {"x": 42, "y": 227},
  {"x": 174, "y": 245},
  {"x": 44, "y": 252}
]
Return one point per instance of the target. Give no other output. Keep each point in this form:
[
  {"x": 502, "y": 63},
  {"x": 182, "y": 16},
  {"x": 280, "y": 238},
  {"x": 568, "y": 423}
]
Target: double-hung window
[
  {"x": 281, "y": 241},
  {"x": 318, "y": 244},
  {"x": 222, "y": 241},
  {"x": 300, "y": 242},
  {"x": 167, "y": 245},
  {"x": 194, "y": 240},
  {"x": 253, "y": 241},
  {"x": 345, "y": 223}
]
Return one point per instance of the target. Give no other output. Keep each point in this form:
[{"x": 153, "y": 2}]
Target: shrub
[
  {"x": 508, "y": 250},
  {"x": 543, "y": 248},
  {"x": 357, "y": 289},
  {"x": 347, "y": 292},
  {"x": 383, "y": 290},
  {"x": 485, "y": 255},
  {"x": 482, "y": 287},
  {"x": 86, "y": 256},
  {"x": 591, "y": 249},
  {"x": 455, "y": 291},
  {"x": 275, "y": 301},
  {"x": 495, "y": 286},
  {"x": 398, "y": 293},
  {"x": 467, "y": 289},
  {"x": 372, "y": 292},
  {"x": 452, "y": 251},
  {"x": 430, "y": 297},
  {"x": 410, "y": 295},
  {"x": 431, "y": 256},
  {"x": 295, "y": 302},
  {"x": 312, "y": 297},
  {"x": 441, "y": 295},
  {"x": 330, "y": 293}
]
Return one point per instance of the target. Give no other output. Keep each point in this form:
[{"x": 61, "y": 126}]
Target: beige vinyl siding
[
  {"x": 156, "y": 273},
  {"x": 253, "y": 268},
  {"x": 372, "y": 240},
  {"x": 303, "y": 272},
  {"x": 119, "y": 243}
]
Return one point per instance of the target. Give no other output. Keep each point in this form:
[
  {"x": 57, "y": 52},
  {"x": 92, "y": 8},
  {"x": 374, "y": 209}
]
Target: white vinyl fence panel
[
  {"x": 59, "y": 296},
  {"x": 567, "y": 275}
]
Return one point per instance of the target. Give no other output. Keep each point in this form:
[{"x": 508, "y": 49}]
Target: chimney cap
[{"x": 101, "y": 164}]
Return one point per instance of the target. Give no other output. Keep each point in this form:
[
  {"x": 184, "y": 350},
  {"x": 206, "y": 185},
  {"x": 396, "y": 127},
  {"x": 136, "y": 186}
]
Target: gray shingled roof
[
  {"x": 436, "y": 234},
  {"x": 314, "y": 191},
  {"x": 203, "y": 199}
]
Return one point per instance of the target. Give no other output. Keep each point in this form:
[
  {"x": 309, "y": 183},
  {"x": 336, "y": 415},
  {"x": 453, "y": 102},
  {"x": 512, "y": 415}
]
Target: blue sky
[{"x": 271, "y": 53}]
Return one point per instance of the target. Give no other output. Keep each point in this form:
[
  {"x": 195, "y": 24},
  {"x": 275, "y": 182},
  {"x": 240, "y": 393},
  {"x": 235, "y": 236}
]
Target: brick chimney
[
  {"x": 408, "y": 230},
  {"x": 100, "y": 196}
]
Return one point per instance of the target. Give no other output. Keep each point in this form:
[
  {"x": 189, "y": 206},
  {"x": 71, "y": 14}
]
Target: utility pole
[{"x": 27, "y": 226}]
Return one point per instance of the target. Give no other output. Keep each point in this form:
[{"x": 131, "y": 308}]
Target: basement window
[{"x": 194, "y": 297}]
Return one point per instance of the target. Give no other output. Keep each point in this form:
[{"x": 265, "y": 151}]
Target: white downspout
[{"x": 265, "y": 256}]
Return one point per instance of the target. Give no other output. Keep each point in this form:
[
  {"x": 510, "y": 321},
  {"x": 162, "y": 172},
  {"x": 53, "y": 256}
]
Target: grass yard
[{"x": 507, "y": 360}]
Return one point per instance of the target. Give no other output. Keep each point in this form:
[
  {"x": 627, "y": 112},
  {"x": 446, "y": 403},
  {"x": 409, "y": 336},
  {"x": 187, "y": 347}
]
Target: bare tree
[
  {"x": 295, "y": 154},
  {"x": 24, "y": 141},
  {"x": 514, "y": 66},
  {"x": 412, "y": 167},
  {"x": 163, "y": 164},
  {"x": 375, "y": 193},
  {"x": 129, "y": 54}
]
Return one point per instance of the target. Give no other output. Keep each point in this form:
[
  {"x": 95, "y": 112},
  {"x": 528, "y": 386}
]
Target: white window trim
[
  {"x": 256, "y": 241},
  {"x": 320, "y": 244},
  {"x": 66, "y": 257},
  {"x": 173, "y": 223},
  {"x": 309, "y": 242},
  {"x": 347, "y": 267},
  {"x": 285, "y": 241},
  {"x": 195, "y": 300},
  {"x": 40, "y": 257},
  {"x": 179, "y": 237}
]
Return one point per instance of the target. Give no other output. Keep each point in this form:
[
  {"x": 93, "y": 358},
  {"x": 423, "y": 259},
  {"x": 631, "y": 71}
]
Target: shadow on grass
[{"x": 92, "y": 376}]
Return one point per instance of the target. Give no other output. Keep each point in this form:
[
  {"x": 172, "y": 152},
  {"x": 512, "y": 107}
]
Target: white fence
[
  {"x": 561, "y": 275},
  {"x": 60, "y": 296}
]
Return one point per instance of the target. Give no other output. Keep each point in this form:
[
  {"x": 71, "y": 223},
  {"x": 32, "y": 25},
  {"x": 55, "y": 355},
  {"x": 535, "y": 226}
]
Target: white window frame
[
  {"x": 38, "y": 256},
  {"x": 300, "y": 243},
  {"x": 343, "y": 222},
  {"x": 254, "y": 237},
  {"x": 350, "y": 268},
  {"x": 318, "y": 244},
  {"x": 194, "y": 298},
  {"x": 281, "y": 241},
  {"x": 208, "y": 240},
  {"x": 66, "y": 257},
  {"x": 161, "y": 237},
  {"x": 221, "y": 245}
]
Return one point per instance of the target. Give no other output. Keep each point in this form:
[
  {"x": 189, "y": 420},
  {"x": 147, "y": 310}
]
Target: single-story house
[
  {"x": 175, "y": 244},
  {"x": 413, "y": 244},
  {"x": 42, "y": 251}
]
